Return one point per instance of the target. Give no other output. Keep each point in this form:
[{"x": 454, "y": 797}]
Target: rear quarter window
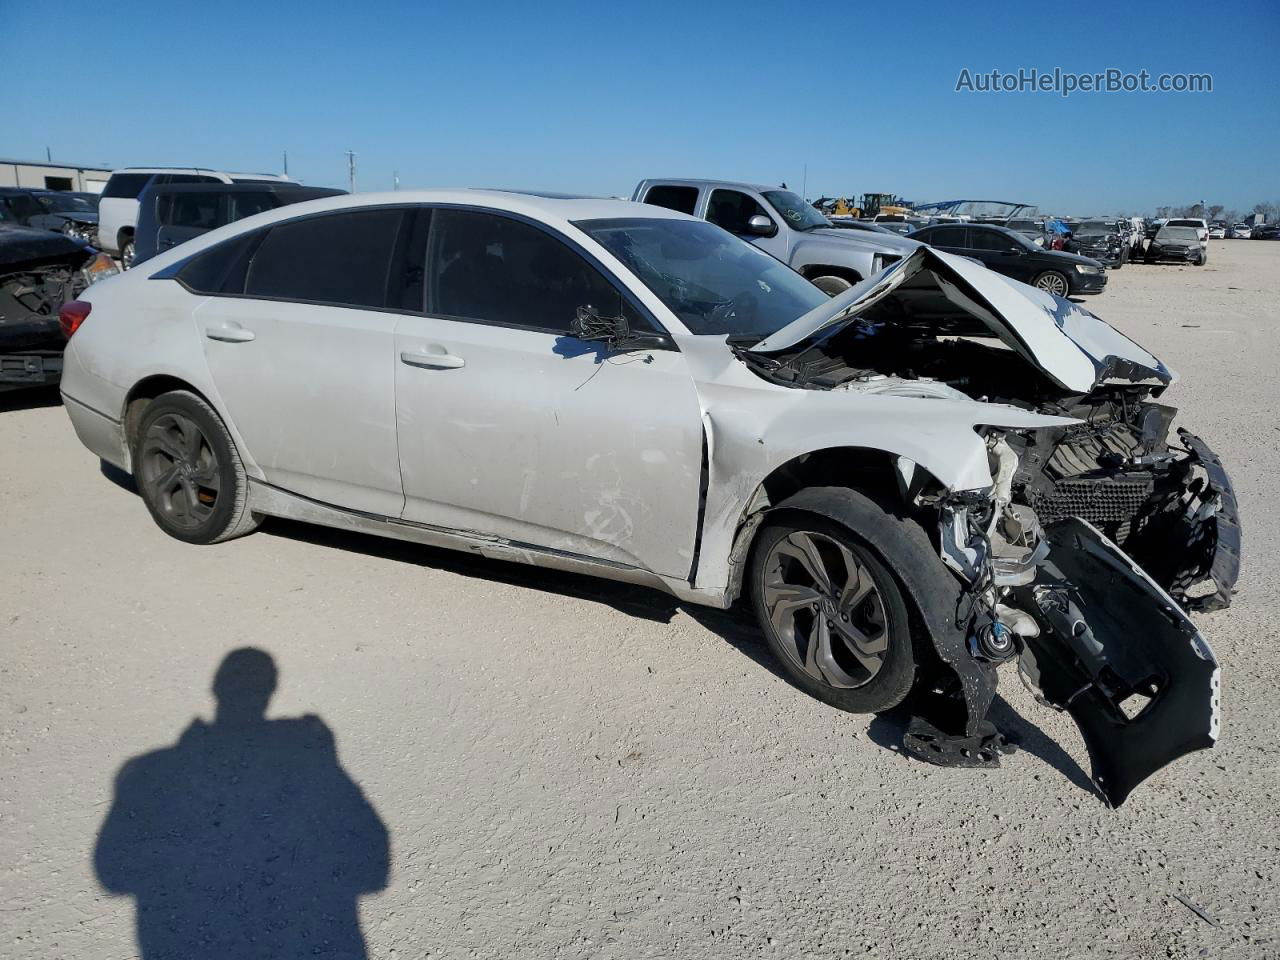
[{"x": 126, "y": 185}]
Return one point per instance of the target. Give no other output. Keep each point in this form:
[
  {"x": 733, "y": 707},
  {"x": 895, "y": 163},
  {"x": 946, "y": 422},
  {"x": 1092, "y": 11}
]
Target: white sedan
[{"x": 932, "y": 473}]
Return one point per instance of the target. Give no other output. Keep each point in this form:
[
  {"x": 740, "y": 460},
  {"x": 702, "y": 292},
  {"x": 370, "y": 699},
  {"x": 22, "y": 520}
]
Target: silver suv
[
  {"x": 783, "y": 224},
  {"x": 118, "y": 208}
]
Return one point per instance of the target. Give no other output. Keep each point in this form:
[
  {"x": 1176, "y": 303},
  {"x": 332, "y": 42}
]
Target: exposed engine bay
[{"x": 1094, "y": 540}]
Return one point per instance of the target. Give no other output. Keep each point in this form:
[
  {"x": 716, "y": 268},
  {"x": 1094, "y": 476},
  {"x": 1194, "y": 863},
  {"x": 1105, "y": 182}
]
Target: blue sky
[{"x": 592, "y": 97}]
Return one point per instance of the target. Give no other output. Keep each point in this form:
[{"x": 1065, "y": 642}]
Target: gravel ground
[{"x": 568, "y": 768}]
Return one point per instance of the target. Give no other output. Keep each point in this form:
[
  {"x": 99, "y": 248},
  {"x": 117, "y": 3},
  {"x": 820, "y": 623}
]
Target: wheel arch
[
  {"x": 811, "y": 270},
  {"x": 871, "y": 471},
  {"x": 143, "y": 392}
]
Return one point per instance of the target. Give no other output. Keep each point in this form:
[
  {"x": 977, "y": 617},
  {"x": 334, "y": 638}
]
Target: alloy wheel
[
  {"x": 179, "y": 471},
  {"x": 826, "y": 609},
  {"x": 1053, "y": 283}
]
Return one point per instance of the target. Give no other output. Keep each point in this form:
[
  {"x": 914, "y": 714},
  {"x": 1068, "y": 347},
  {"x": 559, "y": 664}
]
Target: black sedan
[
  {"x": 1179, "y": 244},
  {"x": 1010, "y": 253}
]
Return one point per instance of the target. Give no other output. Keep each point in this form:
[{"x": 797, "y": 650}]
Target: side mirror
[
  {"x": 761, "y": 226},
  {"x": 614, "y": 332}
]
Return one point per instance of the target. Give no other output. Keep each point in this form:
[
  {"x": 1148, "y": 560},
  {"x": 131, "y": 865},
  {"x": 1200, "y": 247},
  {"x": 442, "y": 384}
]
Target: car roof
[
  {"x": 226, "y": 173},
  {"x": 694, "y": 182},
  {"x": 283, "y": 186}
]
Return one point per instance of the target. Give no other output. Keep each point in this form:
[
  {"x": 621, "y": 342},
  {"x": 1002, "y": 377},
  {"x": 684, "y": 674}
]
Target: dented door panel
[{"x": 550, "y": 441}]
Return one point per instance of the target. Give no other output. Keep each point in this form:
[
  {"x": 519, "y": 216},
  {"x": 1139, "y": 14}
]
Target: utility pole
[
  {"x": 351, "y": 169},
  {"x": 804, "y": 184},
  {"x": 48, "y": 154},
  {"x": 286, "y": 163},
  {"x": 395, "y": 179}
]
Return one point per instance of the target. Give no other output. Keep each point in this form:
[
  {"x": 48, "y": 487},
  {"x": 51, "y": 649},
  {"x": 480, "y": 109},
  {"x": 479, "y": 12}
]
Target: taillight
[{"x": 72, "y": 315}]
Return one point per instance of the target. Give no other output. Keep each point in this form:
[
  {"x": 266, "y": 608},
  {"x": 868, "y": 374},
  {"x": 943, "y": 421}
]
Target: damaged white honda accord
[{"x": 935, "y": 472}]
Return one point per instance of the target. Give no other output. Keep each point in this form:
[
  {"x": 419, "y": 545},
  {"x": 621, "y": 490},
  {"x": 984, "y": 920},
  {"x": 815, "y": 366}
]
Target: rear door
[
  {"x": 300, "y": 345},
  {"x": 183, "y": 216},
  {"x": 511, "y": 427}
]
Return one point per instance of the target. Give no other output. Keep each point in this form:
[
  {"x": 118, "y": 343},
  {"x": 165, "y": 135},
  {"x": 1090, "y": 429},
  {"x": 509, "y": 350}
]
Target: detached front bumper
[{"x": 1118, "y": 654}]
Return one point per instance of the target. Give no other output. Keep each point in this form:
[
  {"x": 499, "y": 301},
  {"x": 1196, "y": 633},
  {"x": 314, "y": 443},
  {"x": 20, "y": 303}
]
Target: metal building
[{"x": 52, "y": 176}]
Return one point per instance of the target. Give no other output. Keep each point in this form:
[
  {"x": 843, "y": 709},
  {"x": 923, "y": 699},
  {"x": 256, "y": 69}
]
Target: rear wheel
[
  {"x": 832, "y": 612},
  {"x": 189, "y": 472},
  {"x": 127, "y": 252}
]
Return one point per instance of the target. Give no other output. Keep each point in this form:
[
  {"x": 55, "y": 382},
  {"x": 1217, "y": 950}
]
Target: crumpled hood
[{"x": 1068, "y": 344}]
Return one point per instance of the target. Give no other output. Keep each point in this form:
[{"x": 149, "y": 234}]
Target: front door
[
  {"x": 510, "y": 427},
  {"x": 732, "y": 209}
]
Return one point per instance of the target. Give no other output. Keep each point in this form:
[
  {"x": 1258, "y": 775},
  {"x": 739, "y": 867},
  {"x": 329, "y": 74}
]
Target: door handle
[
  {"x": 432, "y": 361},
  {"x": 229, "y": 333}
]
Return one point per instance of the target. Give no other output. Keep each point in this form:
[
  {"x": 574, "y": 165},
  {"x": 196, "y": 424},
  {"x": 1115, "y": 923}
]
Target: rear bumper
[{"x": 103, "y": 435}]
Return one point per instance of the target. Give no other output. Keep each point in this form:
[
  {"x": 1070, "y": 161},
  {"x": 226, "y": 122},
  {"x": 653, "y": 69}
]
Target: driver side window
[
  {"x": 731, "y": 210},
  {"x": 498, "y": 270}
]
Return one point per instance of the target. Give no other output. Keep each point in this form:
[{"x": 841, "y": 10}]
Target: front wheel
[
  {"x": 831, "y": 286},
  {"x": 188, "y": 471},
  {"x": 832, "y": 613},
  {"x": 127, "y": 253},
  {"x": 1051, "y": 281}
]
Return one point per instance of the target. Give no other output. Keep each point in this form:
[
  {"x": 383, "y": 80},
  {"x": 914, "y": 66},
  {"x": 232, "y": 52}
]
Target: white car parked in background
[
  {"x": 622, "y": 390},
  {"x": 118, "y": 208}
]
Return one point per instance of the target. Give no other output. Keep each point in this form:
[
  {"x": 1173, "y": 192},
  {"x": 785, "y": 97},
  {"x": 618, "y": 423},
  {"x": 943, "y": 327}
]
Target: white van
[{"x": 118, "y": 208}]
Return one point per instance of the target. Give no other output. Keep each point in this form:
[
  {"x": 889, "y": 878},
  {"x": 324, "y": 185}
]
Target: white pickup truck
[{"x": 783, "y": 224}]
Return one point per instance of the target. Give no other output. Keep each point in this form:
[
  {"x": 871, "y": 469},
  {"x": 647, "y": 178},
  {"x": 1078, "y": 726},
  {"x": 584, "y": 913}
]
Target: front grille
[{"x": 1112, "y": 499}]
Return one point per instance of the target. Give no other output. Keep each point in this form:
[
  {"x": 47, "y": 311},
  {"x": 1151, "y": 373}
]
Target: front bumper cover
[{"x": 1121, "y": 657}]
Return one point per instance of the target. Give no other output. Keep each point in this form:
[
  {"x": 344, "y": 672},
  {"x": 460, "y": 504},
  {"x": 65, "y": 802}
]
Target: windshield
[
  {"x": 715, "y": 283},
  {"x": 1177, "y": 233},
  {"x": 1094, "y": 228},
  {"x": 64, "y": 203},
  {"x": 800, "y": 215},
  {"x": 1185, "y": 223}
]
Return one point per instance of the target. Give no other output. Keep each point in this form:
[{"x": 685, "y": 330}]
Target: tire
[
  {"x": 127, "y": 251},
  {"x": 1051, "y": 281},
  {"x": 831, "y": 285},
  {"x": 188, "y": 471},
  {"x": 862, "y": 659}
]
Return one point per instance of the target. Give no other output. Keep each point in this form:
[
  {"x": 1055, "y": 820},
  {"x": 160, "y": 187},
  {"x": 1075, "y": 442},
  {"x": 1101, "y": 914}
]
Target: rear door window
[
  {"x": 680, "y": 199},
  {"x": 950, "y": 237},
  {"x": 247, "y": 204},
  {"x": 340, "y": 258},
  {"x": 499, "y": 270},
  {"x": 198, "y": 210}
]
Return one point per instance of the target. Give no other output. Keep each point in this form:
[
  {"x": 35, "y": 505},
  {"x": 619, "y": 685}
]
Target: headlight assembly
[{"x": 1087, "y": 268}]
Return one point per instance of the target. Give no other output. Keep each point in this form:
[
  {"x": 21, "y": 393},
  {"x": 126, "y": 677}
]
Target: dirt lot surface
[{"x": 567, "y": 768}]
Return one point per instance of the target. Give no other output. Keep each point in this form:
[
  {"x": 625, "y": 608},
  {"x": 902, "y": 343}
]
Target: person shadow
[{"x": 245, "y": 838}]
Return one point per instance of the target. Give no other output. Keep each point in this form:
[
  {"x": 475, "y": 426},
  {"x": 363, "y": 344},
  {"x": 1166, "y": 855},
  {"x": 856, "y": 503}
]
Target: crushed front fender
[{"x": 1121, "y": 657}]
